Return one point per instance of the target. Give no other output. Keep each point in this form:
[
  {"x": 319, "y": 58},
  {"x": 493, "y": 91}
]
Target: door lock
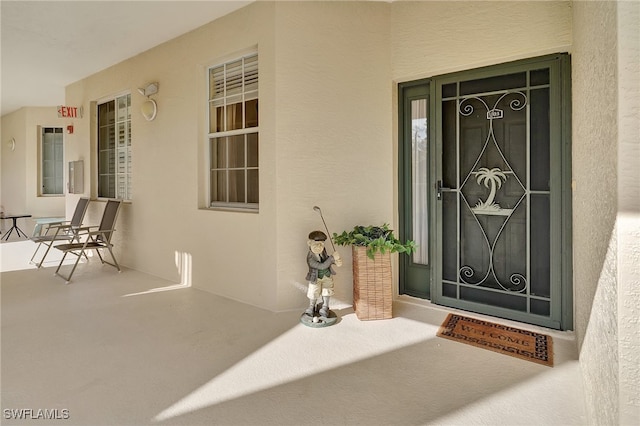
[{"x": 439, "y": 189}]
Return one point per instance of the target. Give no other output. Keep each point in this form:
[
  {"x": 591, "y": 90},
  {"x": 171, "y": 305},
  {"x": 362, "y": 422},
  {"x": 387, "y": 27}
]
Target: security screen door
[{"x": 500, "y": 192}]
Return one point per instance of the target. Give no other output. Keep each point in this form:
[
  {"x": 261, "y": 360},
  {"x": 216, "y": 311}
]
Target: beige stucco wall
[
  {"x": 324, "y": 140},
  {"x": 232, "y": 254},
  {"x": 20, "y": 168},
  {"x": 594, "y": 144},
  {"x": 606, "y": 206},
  {"x": 595, "y": 203},
  {"x": 628, "y": 50},
  {"x": 432, "y": 38},
  {"x": 334, "y": 108},
  {"x": 14, "y": 177}
]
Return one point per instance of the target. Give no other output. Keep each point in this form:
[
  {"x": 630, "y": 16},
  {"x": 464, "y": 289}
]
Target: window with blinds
[
  {"x": 233, "y": 133},
  {"x": 52, "y": 172},
  {"x": 114, "y": 148}
]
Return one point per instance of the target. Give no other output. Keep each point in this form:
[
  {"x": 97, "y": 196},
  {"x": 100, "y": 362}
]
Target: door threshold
[{"x": 568, "y": 335}]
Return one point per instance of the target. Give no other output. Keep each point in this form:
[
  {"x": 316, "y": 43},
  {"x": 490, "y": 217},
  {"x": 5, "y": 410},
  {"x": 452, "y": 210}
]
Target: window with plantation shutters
[
  {"x": 114, "y": 148},
  {"x": 233, "y": 133}
]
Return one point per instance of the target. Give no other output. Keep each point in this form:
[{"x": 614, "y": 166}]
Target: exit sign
[{"x": 69, "y": 111}]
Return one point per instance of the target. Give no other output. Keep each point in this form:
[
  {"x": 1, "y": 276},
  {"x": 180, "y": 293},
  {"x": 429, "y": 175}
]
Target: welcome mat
[{"x": 512, "y": 341}]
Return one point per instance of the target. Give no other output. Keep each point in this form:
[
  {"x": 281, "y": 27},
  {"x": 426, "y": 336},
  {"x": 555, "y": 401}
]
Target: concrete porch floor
[{"x": 133, "y": 349}]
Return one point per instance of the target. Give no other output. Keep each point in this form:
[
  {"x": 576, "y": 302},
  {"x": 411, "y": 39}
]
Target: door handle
[{"x": 439, "y": 189}]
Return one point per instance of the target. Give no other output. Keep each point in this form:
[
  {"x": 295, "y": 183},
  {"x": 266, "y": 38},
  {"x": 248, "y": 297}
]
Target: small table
[{"x": 19, "y": 231}]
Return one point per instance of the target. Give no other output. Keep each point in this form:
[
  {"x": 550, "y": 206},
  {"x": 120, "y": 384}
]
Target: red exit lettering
[{"x": 67, "y": 112}]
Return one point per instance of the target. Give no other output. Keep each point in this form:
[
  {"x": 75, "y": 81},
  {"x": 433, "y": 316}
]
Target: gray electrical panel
[{"x": 76, "y": 177}]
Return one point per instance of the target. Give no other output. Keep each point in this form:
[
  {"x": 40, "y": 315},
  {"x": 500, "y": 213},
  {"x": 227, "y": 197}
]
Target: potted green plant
[
  {"x": 372, "y": 286},
  {"x": 375, "y": 239}
]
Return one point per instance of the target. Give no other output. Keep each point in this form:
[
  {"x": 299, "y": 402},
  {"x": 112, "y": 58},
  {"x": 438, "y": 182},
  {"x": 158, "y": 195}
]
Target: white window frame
[
  {"x": 122, "y": 149},
  {"x": 219, "y": 96},
  {"x": 58, "y": 167}
]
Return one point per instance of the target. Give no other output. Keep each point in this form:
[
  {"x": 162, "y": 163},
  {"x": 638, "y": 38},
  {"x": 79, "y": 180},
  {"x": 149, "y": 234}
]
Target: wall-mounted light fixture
[
  {"x": 149, "y": 108},
  {"x": 149, "y": 89},
  {"x": 12, "y": 144}
]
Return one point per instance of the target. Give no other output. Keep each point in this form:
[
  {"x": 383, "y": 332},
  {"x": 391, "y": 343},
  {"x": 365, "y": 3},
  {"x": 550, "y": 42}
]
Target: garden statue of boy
[{"x": 320, "y": 274}]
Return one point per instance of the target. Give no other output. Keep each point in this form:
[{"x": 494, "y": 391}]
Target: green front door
[{"x": 497, "y": 193}]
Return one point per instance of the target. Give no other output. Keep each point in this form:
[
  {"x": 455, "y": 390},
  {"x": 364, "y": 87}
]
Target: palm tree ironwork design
[{"x": 493, "y": 179}]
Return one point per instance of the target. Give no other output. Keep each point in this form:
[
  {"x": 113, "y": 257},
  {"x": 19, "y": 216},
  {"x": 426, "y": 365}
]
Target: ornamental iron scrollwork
[{"x": 492, "y": 178}]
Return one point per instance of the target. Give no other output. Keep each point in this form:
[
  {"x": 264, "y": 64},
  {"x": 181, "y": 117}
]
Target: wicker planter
[{"x": 372, "y": 289}]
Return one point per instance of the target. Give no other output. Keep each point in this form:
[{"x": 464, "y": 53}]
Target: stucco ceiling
[{"x": 47, "y": 45}]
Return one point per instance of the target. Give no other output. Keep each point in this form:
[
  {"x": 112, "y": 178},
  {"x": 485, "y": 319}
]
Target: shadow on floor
[{"x": 189, "y": 357}]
